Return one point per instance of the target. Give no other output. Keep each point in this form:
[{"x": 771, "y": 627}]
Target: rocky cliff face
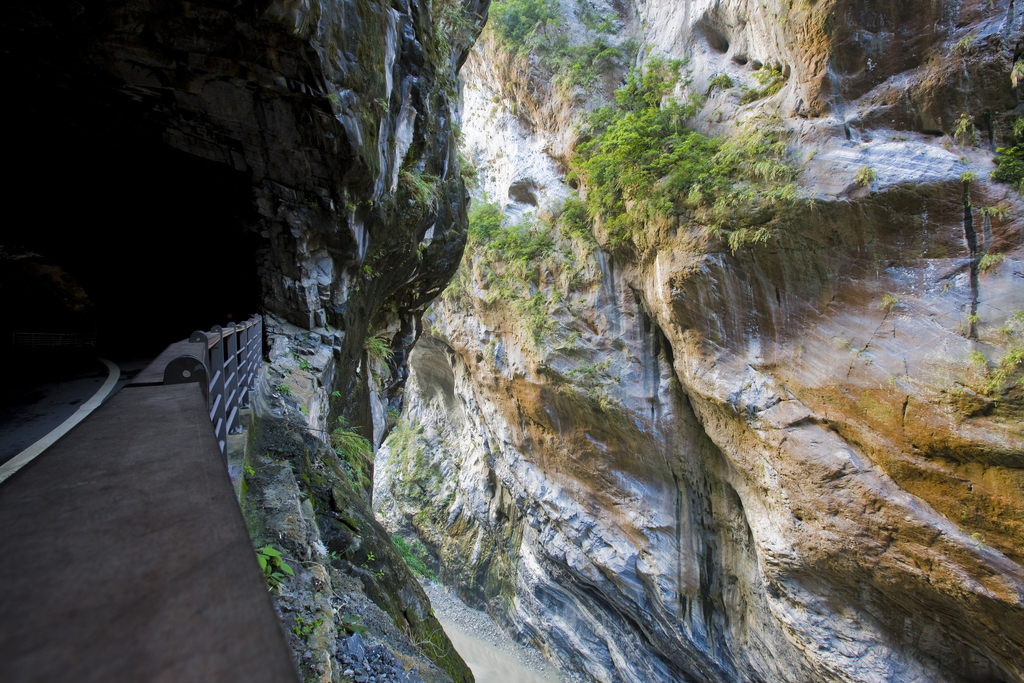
[
  {"x": 326, "y": 129},
  {"x": 664, "y": 454}
]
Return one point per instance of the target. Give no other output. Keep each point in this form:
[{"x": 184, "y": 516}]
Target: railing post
[
  {"x": 200, "y": 337},
  {"x": 255, "y": 351},
  {"x": 232, "y": 358},
  {"x": 243, "y": 364},
  {"x": 189, "y": 369},
  {"x": 218, "y": 411},
  {"x": 231, "y": 380}
]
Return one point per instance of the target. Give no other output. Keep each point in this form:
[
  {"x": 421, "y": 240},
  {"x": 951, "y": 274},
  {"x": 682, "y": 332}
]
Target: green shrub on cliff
[
  {"x": 355, "y": 451},
  {"x": 580, "y": 65},
  {"x": 771, "y": 81},
  {"x": 531, "y": 27},
  {"x": 508, "y": 260},
  {"x": 378, "y": 349},
  {"x": 519, "y": 24},
  {"x": 485, "y": 220},
  {"x": 422, "y": 187},
  {"x": 575, "y": 220},
  {"x": 413, "y": 555},
  {"x": 275, "y": 569},
  {"x": 378, "y": 356},
  {"x": 454, "y": 30},
  {"x": 1012, "y": 360},
  {"x": 1010, "y": 161},
  {"x": 640, "y": 162},
  {"x": 721, "y": 82},
  {"x": 535, "y": 315},
  {"x": 516, "y": 246},
  {"x": 865, "y": 176},
  {"x": 404, "y": 442}
]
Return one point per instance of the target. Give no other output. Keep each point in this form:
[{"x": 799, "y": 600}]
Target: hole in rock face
[
  {"x": 740, "y": 59},
  {"x": 716, "y": 41},
  {"x": 716, "y": 38},
  {"x": 157, "y": 238},
  {"x": 524, "y": 192}
]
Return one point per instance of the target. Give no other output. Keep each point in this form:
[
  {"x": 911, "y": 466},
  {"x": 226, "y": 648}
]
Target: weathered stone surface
[
  {"x": 778, "y": 463},
  {"x": 302, "y": 497}
]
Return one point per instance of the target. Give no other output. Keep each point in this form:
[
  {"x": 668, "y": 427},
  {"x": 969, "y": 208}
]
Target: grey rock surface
[{"x": 778, "y": 462}]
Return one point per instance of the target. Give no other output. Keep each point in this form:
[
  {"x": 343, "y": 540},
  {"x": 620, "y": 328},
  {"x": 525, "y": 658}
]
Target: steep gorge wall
[{"x": 779, "y": 462}]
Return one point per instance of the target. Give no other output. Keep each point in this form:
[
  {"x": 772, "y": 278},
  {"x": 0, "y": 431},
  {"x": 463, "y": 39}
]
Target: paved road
[{"x": 45, "y": 392}]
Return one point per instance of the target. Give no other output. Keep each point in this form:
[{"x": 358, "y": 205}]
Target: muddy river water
[{"x": 491, "y": 654}]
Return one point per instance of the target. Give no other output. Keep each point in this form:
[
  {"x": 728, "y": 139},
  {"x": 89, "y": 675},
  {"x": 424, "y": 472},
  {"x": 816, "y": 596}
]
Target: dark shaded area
[
  {"x": 39, "y": 396},
  {"x": 156, "y": 238}
]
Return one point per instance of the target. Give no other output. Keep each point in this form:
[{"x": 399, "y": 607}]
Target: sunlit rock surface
[{"x": 778, "y": 463}]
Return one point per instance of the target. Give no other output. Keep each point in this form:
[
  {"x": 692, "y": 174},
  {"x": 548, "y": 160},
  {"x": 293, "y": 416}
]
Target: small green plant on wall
[
  {"x": 865, "y": 176},
  {"x": 304, "y": 629},
  {"x": 350, "y": 622},
  {"x": 990, "y": 261},
  {"x": 963, "y": 129},
  {"x": 274, "y": 567},
  {"x": 721, "y": 82},
  {"x": 1010, "y": 160}
]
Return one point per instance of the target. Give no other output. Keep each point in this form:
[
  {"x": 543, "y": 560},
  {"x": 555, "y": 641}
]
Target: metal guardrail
[{"x": 227, "y": 372}]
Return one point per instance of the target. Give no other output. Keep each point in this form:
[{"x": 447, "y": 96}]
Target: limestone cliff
[{"x": 785, "y": 445}]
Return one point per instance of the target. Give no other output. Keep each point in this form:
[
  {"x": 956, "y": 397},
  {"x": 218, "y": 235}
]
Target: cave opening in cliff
[{"x": 158, "y": 239}]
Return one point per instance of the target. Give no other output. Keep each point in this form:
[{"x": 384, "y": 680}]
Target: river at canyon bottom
[{"x": 491, "y": 654}]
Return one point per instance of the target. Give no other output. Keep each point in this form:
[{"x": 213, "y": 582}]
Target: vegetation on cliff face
[
  {"x": 1010, "y": 362},
  {"x": 537, "y": 27},
  {"x": 356, "y": 453},
  {"x": 1010, "y": 161},
  {"x": 528, "y": 268},
  {"x": 640, "y": 162},
  {"x": 794, "y": 437}
]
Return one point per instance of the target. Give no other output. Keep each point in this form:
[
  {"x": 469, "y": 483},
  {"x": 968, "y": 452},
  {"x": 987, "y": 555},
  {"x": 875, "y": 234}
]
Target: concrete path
[{"x": 46, "y": 391}]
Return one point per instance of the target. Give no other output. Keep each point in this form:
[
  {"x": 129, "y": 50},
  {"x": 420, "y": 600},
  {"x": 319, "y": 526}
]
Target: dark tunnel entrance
[
  {"x": 159, "y": 240},
  {"x": 115, "y": 244}
]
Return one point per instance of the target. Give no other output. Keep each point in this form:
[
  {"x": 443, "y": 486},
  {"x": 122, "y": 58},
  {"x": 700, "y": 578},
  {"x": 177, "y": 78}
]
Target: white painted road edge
[{"x": 27, "y": 455}]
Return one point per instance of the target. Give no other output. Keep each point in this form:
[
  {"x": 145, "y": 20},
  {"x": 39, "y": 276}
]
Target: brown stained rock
[{"x": 878, "y": 386}]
